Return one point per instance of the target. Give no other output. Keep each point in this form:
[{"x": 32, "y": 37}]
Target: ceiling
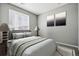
[{"x": 38, "y": 8}]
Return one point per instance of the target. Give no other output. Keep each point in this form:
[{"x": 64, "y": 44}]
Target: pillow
[{"x": 18, "y": 35}]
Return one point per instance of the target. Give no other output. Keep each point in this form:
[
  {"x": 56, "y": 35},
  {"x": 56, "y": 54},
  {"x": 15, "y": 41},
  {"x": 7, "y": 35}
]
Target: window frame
[{"x": 19, "y": 14}]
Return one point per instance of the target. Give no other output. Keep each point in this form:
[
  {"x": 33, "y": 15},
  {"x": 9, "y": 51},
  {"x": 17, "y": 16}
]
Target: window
[{"x": 18, "y": 21}]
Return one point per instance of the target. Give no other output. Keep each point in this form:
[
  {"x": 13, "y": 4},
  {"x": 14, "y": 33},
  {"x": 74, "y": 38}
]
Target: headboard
[{"x": 20, "y": 31}]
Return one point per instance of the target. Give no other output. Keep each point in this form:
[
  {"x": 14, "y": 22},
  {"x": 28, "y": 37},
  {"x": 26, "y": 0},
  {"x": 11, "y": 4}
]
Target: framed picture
[
  {"x": 60, "y": 19},
  {"x": 50, "y": 20}
]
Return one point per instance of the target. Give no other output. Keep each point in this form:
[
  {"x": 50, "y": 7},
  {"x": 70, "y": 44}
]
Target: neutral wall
[
  {"x": 78, "y": 26},
  {"x": 4, "y": 12},
  {"x": 66, "y": 34},
  {"x": 0, "y": 12}
]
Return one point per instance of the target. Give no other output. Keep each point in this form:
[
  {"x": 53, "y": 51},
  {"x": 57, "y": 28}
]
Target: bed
[{"x": 32, "y": 46}]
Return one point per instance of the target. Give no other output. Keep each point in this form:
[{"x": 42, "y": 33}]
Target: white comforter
[{"x": 43, "y": 48}]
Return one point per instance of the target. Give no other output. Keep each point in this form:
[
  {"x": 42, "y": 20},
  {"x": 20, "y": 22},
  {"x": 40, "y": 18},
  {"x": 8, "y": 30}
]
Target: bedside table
[
  {"x": 3, "y": 42},
  {"x": 3, "y": 48}
]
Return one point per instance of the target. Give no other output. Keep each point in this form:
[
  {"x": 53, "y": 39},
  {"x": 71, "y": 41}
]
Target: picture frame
[
  {"x": 50, "y": 20},
  {"x": 60, "y": 19}
]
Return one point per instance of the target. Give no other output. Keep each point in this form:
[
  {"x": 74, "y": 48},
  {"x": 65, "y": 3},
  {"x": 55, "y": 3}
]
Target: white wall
[
  {"x": 65, "y": 34},
  {"x": 0, "y": 12},
  {"x": 4, "y": 15},
  {"x": 78, "y": 26}
]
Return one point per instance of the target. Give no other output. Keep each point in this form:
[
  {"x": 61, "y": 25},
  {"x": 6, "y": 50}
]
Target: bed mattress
[{"x": 47, "y": 47}]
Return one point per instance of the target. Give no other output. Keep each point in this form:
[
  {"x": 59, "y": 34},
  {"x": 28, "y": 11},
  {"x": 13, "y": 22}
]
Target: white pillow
[{"x": 18, "y": 35}]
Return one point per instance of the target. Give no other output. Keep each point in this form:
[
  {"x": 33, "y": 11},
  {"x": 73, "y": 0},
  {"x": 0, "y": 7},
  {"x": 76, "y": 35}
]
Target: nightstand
[{"x": 3, "y": 43}]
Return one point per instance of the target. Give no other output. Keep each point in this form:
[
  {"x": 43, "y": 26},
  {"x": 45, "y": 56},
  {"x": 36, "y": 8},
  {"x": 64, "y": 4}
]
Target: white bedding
[
  {"x": 44, "y": 48},
  {"x": 16, "y": 41}
]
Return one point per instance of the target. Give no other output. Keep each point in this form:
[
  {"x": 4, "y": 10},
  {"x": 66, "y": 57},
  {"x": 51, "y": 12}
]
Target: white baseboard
[{"x": 67, "y": 45}]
